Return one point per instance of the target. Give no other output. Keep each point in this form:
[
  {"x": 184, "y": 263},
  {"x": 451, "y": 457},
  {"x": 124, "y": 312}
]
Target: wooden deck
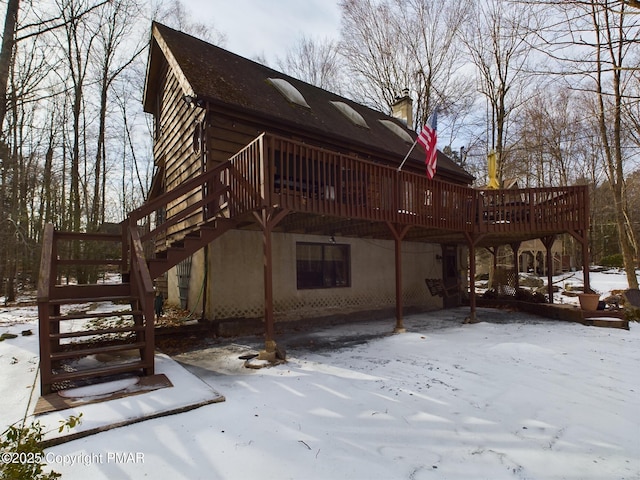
[
  {"x": 564, "y": 312},
  {"x": 325, "y": 192}
]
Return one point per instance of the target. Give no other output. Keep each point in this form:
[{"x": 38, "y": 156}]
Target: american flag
[{"x": 428, "y": 138}]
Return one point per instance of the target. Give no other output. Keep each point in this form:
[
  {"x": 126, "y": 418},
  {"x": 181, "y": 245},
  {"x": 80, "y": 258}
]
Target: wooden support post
[
  {"x": 585, "y": 265},
  {"x": 124, "y": 251},
  {"x": 472, "y": 240},
  {"x": 582, "y": 238},
  {"x": 548, "y": 244},
  {"x": 399, "y": 304},
  {"x": 492, "y": 271},
  {"x": 269, "y": 333},
  {"x": 515, "y": 247},
  {"x": 268, "y": 218},
  {"x": 46, "y": 278},
  {"x": 472, "y": 283},
  {"x": 398, "y": 231}
]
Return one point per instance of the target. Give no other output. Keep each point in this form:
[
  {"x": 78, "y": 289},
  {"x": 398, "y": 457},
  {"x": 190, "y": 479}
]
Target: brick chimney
[{"x": 403, "y": 109}]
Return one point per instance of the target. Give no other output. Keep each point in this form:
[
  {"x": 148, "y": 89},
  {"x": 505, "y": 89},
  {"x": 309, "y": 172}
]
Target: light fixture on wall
[{"x": 193, "y": 101}]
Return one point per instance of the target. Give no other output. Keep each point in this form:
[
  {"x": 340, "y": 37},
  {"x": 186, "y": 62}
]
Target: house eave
[{"x": 158, "y": 46}]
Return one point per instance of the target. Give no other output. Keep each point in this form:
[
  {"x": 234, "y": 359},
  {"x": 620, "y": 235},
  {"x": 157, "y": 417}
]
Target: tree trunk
[
  {"x": 6, "y": 53},
  {"x": 612, "y": 140}
]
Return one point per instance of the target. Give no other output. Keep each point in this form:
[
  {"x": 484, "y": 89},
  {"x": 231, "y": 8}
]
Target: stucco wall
[
  {"x": 196, "y": 293},
  {"x": 235, "y": 287}
]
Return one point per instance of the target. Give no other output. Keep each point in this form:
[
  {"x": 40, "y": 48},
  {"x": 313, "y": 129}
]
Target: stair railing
[
  {"x": 46, "y": 278},
  {"x": 81, "y": 253},
  {"x": 142, "y": 289},
  {"x": 230, "y": 189}
]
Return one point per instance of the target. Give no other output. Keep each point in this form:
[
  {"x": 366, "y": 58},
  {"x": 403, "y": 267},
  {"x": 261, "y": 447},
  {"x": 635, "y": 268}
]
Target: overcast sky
[{"x": 267, "y": 27}]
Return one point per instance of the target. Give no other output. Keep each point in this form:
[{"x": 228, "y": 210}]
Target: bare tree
[
  {"x": 314, "y": 61},
  {"x": 596, "y": 49},
  {"x": 431, "y": 32},
  {"x": 26, "y": 70},
  {"x": 547, "y": 144},
  {"x": 6, "y": 53},
  {"x": 116, "y": 22},
  {"x": 76, "y": 43},
  {"x": 498, "y": 44},
  {"x": 392, "y": 45},
  {"x": 377, "y": 59},
  {"x": 174, "y": 14},
  {"x": 137, "y": 161},
  {"x": 60, "y": 62}
]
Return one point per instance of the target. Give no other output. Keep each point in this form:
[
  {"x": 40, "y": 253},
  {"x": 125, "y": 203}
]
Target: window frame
[{"x": 326, "y": 266}]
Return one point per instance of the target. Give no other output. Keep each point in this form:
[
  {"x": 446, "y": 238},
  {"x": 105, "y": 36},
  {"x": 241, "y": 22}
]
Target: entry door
[{"x": 450, "y": 276}]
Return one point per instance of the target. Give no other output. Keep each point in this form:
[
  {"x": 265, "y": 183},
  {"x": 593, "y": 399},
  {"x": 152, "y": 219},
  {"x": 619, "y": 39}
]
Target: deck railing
[
  {"x": 309, "y": 179},
  {"x": 276, "y": 171},
  {"x": 532, "y": 209},
  {"x": 229, "y": 189}
]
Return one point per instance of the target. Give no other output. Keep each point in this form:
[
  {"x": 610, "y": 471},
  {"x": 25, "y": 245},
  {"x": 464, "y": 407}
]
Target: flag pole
[{"x": 408, "y": 153}]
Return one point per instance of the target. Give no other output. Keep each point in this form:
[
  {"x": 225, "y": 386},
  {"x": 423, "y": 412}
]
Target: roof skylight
[
  {"x": 351, "y": 114},
  {"x": 398, "y": 130},
  {"x": 290, "y": 92}
]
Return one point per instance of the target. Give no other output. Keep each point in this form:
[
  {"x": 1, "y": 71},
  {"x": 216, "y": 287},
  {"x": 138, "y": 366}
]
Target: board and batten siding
[
  {"x": 174, "y": 145},
  {"x": 227, "y": 136}
]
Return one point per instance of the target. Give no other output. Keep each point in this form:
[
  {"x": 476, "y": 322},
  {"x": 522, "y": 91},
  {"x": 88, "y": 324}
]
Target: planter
[{"x": 589, "y": 301}]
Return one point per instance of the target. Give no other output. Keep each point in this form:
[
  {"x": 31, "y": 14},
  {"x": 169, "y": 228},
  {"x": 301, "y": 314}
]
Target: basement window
[
  {"x": 289, "y": 92},
  {"x": 397, "y": 129},
  {"x": 351, "y": 114},
  {"x": 320, "y": 265}
]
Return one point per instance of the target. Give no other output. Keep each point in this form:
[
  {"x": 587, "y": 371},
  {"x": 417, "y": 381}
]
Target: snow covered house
[
  {"x": 316, "y": 218},
  {"x": 274, "y": 200},
  {"x": 331, "y": 179}
]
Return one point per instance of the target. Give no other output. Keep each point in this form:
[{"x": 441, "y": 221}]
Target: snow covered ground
[{"x": 513, "y": 397}]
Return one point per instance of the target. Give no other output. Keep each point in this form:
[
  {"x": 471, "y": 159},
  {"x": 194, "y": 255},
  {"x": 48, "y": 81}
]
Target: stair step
[
  {"x": 103, "y": 331},
  {"x": 80, "y": 300},
  {"x": 100, "y": 372},
  {"x": 97, "y": 350},
  {"x": 78, "y": 316},
  {"x": 102, "y": 290},
  {"x": 171, "y": 251},
  {"x": 190, "y": 238},
  {"x": 188, "y": 244},
  {"x": 156, "y": 261}
]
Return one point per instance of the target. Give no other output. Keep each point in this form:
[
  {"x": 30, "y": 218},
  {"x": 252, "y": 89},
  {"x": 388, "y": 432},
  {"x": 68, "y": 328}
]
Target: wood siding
[{"x": 174, "y": 146}]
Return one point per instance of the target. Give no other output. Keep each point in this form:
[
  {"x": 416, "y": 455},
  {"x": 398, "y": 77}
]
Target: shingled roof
[{"x": 215, "y": 75}]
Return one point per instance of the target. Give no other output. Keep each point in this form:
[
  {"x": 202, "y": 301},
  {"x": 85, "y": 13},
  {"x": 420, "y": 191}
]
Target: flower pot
[{"x": 589, "y": 301}]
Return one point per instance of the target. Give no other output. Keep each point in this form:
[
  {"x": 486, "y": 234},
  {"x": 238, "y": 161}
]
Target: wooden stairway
[
  {"x": 126, "y": 351},
  {"x": 91, "y": 330},
  {"x": 188, "y": 245},
  {"x": 88, "y": 329},
  {"x": 97, "y": 330}
]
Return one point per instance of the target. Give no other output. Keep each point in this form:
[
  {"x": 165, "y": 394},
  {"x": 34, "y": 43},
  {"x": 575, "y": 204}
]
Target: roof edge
[{"x": 157, "y": 37}]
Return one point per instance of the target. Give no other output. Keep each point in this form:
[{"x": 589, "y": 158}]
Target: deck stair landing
[{"x": 563, "y": 312}]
